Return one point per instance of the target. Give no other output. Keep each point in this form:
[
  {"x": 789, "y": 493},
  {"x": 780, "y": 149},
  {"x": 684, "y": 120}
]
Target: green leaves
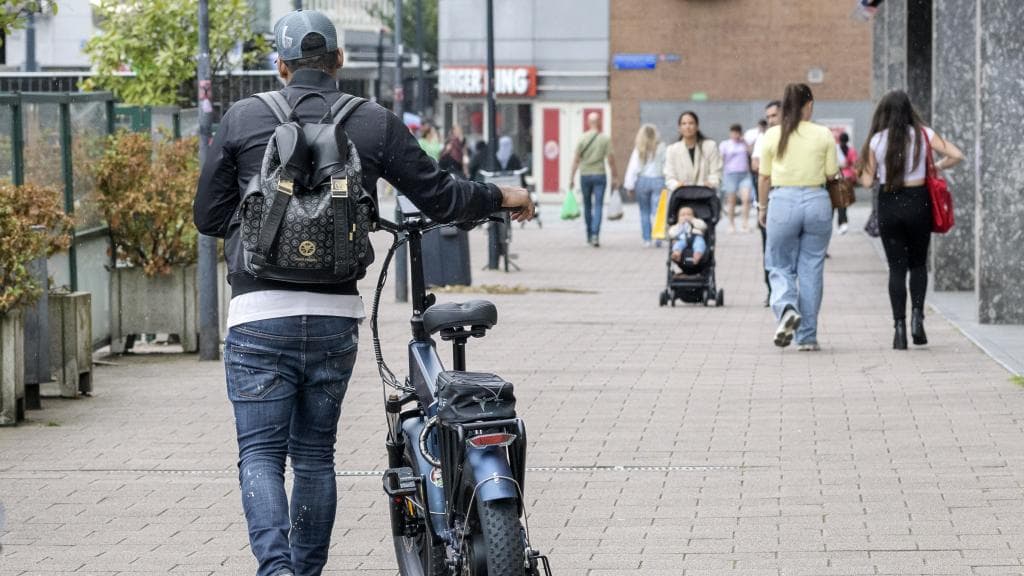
[
  {"x": 13, "y": 12},
  {"x": 158, "y": 40}
]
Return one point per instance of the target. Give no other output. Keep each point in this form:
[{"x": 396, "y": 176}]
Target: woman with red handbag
[{"x": 898, "y": 154}]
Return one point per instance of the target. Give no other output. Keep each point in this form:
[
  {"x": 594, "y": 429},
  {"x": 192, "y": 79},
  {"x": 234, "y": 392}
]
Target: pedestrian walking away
[
  {"x": 645, "y": 176},
  {"x": 454, "y": 157},
  {"x": 796, "y": 158},
  {"x": 737, "y": 181},
  {"x": 693, "y": 160},
  {"x": 772, "y": 115},
  {"x": 291, "y": 346},
  {"x": 592, "y": 151},
  {"x": 847, "y": 157},
  {"x": 895, "y": 155},
  {"x": 430, "y": 141}
]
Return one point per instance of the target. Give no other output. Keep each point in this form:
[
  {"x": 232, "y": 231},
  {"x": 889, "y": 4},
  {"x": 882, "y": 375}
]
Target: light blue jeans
[
  {"x": 799, "y": 229},
  {"x": 648, "y": 192}
]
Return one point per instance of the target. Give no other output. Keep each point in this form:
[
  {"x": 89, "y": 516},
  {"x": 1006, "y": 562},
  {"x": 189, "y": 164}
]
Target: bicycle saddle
[{"x": 456, "y": 314}]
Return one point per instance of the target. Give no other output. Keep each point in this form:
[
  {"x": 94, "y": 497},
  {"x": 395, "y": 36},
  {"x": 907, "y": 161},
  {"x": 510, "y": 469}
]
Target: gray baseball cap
[{"x": 294, "y": 26}]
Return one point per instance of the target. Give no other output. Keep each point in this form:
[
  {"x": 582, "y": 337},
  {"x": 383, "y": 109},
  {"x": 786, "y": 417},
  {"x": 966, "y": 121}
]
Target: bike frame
[{"x": 496, "y": 473}]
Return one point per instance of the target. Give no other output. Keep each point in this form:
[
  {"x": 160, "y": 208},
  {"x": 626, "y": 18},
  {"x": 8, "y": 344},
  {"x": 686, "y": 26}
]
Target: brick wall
[{"x": 734, "y": 50}]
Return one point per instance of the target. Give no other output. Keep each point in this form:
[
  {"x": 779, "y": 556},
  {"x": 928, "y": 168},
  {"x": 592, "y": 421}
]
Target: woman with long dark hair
[
  {"x": 895, "y": 154},
  {"x": 796, "y": 158},
  {"x": 693, "y": 160}
]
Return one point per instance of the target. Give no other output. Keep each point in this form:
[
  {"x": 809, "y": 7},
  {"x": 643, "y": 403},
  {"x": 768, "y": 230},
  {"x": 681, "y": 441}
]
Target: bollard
[{"x": 37, "y": 338}]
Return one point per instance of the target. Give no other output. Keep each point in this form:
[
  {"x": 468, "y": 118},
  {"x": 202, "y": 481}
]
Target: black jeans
[{"x": 905, "y": 225}]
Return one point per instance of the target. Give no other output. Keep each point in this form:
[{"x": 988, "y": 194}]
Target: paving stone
[{"x": 851, "y": 461}]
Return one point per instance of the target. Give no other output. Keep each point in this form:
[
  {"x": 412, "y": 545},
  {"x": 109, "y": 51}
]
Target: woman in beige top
[{"x": 693, "y": 160}]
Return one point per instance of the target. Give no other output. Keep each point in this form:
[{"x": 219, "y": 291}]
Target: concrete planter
[
  {"x": 12, "y": 368},
  {"x": 71, "y": 342},
  {"x": 162, "y": 304}
]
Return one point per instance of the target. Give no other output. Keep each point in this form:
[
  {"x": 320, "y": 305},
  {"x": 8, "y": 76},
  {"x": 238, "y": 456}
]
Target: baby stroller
[{"x": 695, "y": 284}]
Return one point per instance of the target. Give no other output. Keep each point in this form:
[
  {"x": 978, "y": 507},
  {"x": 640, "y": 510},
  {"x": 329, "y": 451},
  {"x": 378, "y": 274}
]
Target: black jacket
[{"x": 386, "y": 148}]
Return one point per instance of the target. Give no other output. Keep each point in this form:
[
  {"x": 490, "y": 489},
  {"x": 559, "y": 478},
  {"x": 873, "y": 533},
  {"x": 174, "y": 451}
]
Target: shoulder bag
[{"x": 938, "y": 189}]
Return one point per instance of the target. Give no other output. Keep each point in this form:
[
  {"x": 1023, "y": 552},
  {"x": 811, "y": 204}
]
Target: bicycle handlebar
[{"x": 420, "y": 223}]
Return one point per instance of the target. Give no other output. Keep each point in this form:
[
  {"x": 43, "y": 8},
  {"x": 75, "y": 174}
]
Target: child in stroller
[
  {"x": 692, "y": 208},
  {"x": 689, "y": 247}
]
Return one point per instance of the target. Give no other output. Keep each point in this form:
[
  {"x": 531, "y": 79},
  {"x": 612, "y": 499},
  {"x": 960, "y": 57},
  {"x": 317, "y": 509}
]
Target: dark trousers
[{"x": 905, "y": 226}]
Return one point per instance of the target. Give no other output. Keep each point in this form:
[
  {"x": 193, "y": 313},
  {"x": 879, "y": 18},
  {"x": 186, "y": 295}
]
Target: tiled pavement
[{"x": 666, "y": 441}]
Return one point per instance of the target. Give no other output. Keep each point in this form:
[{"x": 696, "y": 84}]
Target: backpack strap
[
  {"x": 345, "y": 105},
  {"x": 268, "y": 231},
  {"x": 277, "y": 103}
]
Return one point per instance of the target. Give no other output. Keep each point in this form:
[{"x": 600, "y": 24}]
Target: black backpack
[{"x": 305, "y": 217}]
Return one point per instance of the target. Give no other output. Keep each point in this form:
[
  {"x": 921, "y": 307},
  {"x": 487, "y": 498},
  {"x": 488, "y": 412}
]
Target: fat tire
[{"x": 503, "y": 537}]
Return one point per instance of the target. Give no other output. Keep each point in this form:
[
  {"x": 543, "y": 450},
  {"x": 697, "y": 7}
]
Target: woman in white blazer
[{"x": 694, "y": 160}]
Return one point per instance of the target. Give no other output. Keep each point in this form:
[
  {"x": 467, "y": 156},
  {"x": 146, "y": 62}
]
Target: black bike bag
[{"x": 464, "y": 397}]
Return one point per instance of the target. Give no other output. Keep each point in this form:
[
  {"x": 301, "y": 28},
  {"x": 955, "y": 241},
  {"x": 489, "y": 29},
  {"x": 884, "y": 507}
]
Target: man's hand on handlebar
[{"x": 518, "y": 201}]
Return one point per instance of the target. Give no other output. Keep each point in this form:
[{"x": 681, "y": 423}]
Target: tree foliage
[
  {"x": 158, "y": 40},
  {"x": 387, "y": 17},
  {"x": 21, "y": 209},
  {"x": 145, "y": 192},
  {"x": 13, "y": 12}
]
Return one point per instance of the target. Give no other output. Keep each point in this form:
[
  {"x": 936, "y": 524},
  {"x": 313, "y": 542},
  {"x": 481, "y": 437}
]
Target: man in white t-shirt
[{"x": 291, "y": 347}]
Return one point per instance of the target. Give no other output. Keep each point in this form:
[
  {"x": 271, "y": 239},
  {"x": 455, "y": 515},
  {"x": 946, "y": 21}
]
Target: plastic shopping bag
[
  {"x": 661, "y": 218},
  {"x": 615, "y": 211},
  {"x": 570, "y": 208}
]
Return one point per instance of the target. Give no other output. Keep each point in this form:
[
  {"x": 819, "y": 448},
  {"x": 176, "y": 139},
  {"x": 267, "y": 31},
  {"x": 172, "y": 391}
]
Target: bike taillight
[{"x": 497, "y": 439}]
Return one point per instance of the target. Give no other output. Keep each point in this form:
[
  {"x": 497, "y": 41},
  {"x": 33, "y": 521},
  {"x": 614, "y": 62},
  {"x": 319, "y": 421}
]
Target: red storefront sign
[{"x": 512, "y": 81}]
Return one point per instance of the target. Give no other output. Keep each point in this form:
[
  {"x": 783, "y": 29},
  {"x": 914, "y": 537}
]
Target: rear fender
[{"x": 492, "y": 475}]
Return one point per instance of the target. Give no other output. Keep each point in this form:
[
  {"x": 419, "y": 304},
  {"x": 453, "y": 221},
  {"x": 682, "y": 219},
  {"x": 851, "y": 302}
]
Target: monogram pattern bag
[{"x": 306, "y": 218}]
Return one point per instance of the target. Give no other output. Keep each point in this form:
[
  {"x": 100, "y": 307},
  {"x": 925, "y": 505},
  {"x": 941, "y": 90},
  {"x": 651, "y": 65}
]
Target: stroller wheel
[
  {"x": 672, "y": 300},
  {"x": 704, "y": 297},
  {"x": 720, "y": 298},
  {"x": 662, "y": 298}
]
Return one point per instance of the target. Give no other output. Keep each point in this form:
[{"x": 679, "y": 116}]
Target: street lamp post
[
  {"x": 401, "y": 258},
  {"x": 209, "y": 325},
  {"x": 493, "y": 232}
]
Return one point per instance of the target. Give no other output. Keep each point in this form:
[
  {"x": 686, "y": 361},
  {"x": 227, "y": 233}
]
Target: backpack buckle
[
  {"x": 285, "y": 186},
  {"x": 339, "y": 187}
]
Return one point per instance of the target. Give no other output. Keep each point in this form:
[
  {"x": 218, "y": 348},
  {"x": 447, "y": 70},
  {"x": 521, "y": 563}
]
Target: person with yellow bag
[{"x": 660, "y": 231}]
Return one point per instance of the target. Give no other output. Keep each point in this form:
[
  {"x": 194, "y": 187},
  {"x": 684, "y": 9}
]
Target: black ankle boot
[
  {"x": 917, "y": 326},
  {"x": 899, "y": 340}
]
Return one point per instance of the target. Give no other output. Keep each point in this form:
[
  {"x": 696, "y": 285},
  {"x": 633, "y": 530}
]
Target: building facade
[
  {"x": 552, "y": 69},
  {"x": 60, "y": 39},
  {"x": 646, "y": 62},
  {"x": 725, "y": 60}
]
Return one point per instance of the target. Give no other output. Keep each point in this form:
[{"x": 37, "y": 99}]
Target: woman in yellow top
[
  {"x": 693, "y": 160},
  {"x": 796, "y": 158}
]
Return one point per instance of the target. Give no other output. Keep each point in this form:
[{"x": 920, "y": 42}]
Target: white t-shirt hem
[{"x": 270, "y": 304}]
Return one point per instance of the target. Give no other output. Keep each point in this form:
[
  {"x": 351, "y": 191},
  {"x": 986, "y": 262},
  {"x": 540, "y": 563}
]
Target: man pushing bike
[{"x": 294, "y": 215}]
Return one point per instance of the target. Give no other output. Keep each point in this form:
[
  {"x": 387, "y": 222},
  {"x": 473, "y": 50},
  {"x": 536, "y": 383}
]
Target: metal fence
[
  {"x": 51, "y": 139},
  {"x": 54, "y": 139}
]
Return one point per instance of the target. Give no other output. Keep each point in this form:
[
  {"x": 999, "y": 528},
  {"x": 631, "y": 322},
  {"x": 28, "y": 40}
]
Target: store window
[{"x": 512, "y": 119}]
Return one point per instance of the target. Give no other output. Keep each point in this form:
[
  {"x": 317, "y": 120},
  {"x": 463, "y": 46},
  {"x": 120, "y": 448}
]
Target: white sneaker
[
  {"x": 787, "y": 327},
  {"x": 646, "y": 243},
  {"x": 843, "y": 228},
  {"x": 809, "y": 347}
]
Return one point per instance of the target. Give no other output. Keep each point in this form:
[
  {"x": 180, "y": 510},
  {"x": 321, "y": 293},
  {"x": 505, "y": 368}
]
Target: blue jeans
[
  {"x": 799, "y": 229},
  {"x": 286, "y": 378},
  {"x": 648, "y": 192},
  {"x": 593, "y": 186}
]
